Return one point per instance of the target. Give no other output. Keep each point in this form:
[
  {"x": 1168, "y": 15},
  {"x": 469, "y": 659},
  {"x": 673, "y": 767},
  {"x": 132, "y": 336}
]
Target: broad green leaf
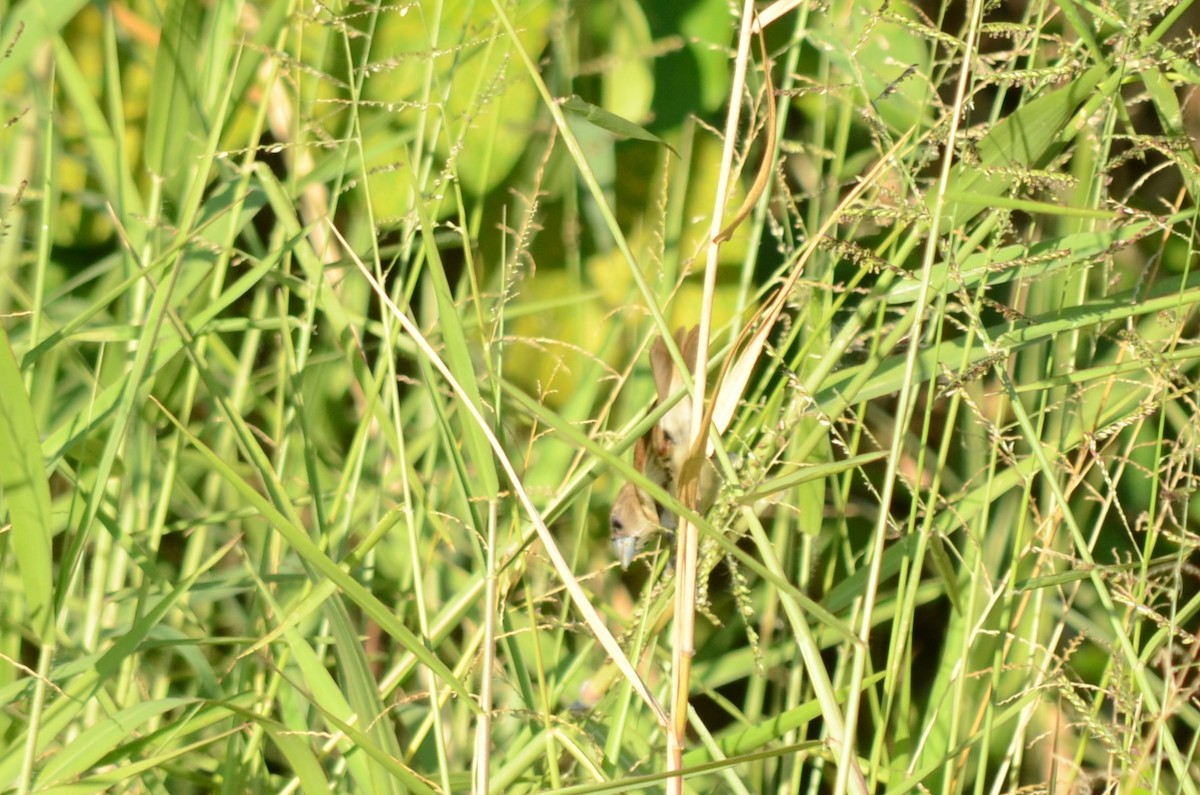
[
  {"x": 496, "y": 117},
  {"x": 887, "y": 58},
  {"x": 26, "y": 493},
  {"x": 491, "y": 113},
  {"x": 612, "y": 122},
  {"x": 706, "y": 28},
  {"x": 29, "y": 25},
  {"x": 173, "y": 124},
  {"x": 1026, "y": 139},
  {"x": 627, "y": 87}
]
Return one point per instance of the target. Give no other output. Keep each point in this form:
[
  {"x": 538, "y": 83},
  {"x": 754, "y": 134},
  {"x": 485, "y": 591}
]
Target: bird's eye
[{"x": 617, "y": 525}]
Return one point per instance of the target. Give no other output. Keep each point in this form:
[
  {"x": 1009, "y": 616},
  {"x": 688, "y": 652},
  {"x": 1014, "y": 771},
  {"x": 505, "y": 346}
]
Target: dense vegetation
[{"x": 323, "y": 334}]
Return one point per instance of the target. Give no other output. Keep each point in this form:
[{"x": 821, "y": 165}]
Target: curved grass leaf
[
  {"x": 606, "y": 120},
  {"x": 103, "y": 738},
  {"x": 1019, "y": 261}
]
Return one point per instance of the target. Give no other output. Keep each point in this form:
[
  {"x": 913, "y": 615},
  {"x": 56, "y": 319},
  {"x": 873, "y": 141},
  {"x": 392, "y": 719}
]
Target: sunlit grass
[{"x": 323, "y": 338}]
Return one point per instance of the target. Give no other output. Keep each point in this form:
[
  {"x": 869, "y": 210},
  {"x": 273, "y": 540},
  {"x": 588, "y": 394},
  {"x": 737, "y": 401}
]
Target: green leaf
[
  {"x": 107, "y": 163},
  {"x": 1027, "y": 262},
  {"x": 627, "y": 88},
  {"x": 77, "y": 757},
  {"x": 612, "y": 122},
  {"x": 303, "y": 762},
  {"x": 458, "y": 359},
  {"x": 807, "y": 474},
  {"x": 1027, "y": 139},
  {"x": 79, "y": 691},
  {"x": 27, "y": 26},
  {"x": 750, "y": 739},
  {"x": 172, "y": 118},
  {"x": 299, "y": 541},
  {"x": 26, "y": 492}
]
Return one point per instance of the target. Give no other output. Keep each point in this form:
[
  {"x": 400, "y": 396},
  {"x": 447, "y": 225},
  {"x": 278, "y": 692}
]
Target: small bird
[
  {"x": 635, "y": 516},
  {"x": 659, "y": 455},
  {"x": 675, "y": 438}
]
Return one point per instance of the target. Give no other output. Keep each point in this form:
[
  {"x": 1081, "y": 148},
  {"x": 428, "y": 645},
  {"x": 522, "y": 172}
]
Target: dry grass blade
[
  {"x": 688, "y": 486},
  {"x": 766, "y": 167}
]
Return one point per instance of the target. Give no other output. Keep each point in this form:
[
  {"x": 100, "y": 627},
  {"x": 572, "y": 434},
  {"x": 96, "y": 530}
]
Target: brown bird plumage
[{"x": 635, "y": 516}]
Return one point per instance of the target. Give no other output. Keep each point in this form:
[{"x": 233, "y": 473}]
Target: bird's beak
[{"x": 625, "y": 549}]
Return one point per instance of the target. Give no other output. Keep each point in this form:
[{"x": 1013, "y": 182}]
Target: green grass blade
[
  {"x": 26, "y": 494},
  {"x": 171, "y": 122},
  {"x": 102, "y": 739},
  {"x": 322, "y": 563},
  {"x": 27, "y": 26}
]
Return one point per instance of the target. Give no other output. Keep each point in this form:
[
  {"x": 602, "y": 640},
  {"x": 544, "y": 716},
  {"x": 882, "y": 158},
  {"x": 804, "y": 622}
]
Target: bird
[
  {"x": 635, "y": 516},
  {"x": 675, "y": 438}
]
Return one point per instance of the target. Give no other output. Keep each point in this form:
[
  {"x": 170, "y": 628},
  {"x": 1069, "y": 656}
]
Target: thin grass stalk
[
  {"x": 907, "y": 397},
  {"x": 595, "y": 623},
  {"x": 688, "y": 535},
  {"x": 483, "y": 728},
  {"x": 577, "y": 594}
]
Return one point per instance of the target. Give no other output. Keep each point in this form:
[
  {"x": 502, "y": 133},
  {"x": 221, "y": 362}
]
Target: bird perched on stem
[
  {"x": 674, "y": 435},
  {"x": 635, "y": 516}
]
